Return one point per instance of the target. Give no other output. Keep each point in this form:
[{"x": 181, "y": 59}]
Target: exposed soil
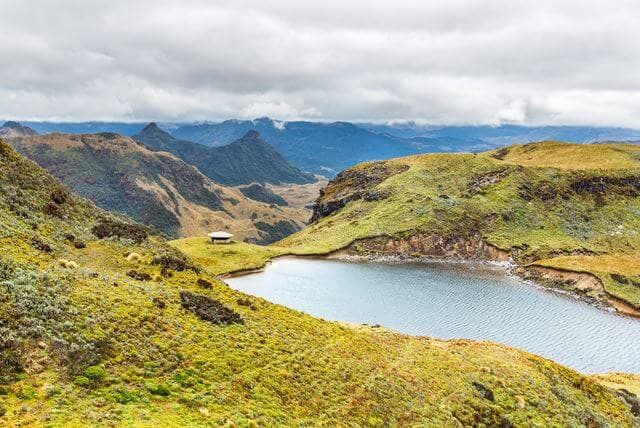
[
  {"x": 582, "y": 282},
  {"x": 472, "y": 247}
]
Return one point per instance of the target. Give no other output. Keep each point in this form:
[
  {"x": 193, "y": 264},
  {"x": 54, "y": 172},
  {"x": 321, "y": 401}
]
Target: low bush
[
  {"x": 208, "y": 309},
  {"x": 158, "y": 389},
  {"x": 140, "y": 276},
  {"x": 203, "y": 283},
  {"x": 174, "y": 260},
  {"x": 107, "y": 228},
  {"x": 60, "y": 196},
  {"x": 39, "y": 244},
  {"x": 52, "y": 209}
]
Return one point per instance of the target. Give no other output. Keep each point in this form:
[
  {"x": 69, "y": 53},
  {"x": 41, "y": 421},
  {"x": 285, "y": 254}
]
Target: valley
[{"x": 162, "y": 191}]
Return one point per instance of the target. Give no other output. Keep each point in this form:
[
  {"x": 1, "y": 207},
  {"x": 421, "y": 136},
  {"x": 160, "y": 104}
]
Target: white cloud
[{"x": 448, "y": 61}]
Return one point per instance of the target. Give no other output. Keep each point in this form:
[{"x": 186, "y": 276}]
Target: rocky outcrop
[
  {"x": 459, "y": 247},
  {"x": 354, "y": 184}
]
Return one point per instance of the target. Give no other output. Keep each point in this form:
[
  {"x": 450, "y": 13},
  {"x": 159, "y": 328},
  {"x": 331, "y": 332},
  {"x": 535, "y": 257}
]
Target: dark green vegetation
[
  {"x": 85, "y": 344},
  {"x": 540, "y": 202},
  {"x": 246, "y": 160},
  {"x": 154, "y": 188}
]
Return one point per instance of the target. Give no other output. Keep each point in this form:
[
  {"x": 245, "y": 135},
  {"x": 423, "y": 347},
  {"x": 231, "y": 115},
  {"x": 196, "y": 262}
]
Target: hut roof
[{"x": 220, "y": 235}]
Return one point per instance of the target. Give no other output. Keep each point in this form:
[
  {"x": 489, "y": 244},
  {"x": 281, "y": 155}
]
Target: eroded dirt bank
[{"x": 584, "y": 283}]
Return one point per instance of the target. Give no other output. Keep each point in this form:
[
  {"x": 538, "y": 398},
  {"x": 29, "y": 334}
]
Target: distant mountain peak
[
  {"x": 150, "y": 126},
  {"x": 15, "y": 129},
  {"x": 12, "y": 124}
]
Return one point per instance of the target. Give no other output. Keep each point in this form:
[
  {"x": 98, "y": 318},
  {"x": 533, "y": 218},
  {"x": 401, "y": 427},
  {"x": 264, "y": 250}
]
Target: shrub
[
  {"x": 173, "y": 259},
  {"x": 140, "y": 276},
  {"x": 52, "y": 209},
  {"x": 59, "y": 196},
  {"x": 95, "y": 373},
  {"x": 203, "y": 283},
  {"x": 108, "y": 228},
  {"x": 79, "y": 244},
  {"x": 208, "y": 309},
  {"x": 159, "y": 389},
  {"x": 247, "y": 303},
  {"x": 39, "y": 244}
]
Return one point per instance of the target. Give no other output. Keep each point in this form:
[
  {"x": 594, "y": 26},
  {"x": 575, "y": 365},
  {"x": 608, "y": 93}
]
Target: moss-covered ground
[{"x": 93, "y": 332}]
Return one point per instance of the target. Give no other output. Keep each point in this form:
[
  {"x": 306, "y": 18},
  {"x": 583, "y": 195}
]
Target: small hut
[{"x": 220, "y": 237}]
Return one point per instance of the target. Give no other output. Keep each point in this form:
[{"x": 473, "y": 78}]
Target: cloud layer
[{"x": 444, "y": 62}]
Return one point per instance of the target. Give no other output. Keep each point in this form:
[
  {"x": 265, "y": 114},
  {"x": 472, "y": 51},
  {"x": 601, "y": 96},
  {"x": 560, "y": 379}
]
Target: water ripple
[{"x": 453, "y": 300}]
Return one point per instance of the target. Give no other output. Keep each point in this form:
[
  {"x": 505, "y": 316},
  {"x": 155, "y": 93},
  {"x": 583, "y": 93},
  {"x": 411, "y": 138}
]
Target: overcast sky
[{"x": 441, "y": 62}]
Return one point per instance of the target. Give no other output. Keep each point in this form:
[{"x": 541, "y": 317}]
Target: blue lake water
[{"x": 453, "y": 300}]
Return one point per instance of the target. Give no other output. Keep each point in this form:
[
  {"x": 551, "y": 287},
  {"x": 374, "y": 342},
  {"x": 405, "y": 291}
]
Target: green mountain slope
[
  {"x": 246, "y": 160},
  {"x": 547, "y": 204},
  {"x": 123, "y": 330},
  {"x": 154, "y": 188}
]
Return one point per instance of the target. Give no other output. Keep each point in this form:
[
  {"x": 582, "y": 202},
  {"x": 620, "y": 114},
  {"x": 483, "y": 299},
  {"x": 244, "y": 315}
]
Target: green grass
[
  {"x": 110, "y": 350},
  {"x": 556, "y": 154},
  {"x": 222, "y": 259}
]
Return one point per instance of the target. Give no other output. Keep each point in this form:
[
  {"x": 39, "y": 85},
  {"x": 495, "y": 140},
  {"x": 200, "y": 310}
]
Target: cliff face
[
  {"x": 470, "y": 247},
  {"x": 358, "y": 183}
]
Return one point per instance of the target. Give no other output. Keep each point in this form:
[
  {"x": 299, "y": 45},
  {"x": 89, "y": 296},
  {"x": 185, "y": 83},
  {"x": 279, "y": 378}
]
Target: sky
[{"x": 562, "y": 62}]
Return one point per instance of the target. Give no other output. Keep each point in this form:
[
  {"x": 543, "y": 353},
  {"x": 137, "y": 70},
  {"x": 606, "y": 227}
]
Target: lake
[{"x": 453, "y": 300}]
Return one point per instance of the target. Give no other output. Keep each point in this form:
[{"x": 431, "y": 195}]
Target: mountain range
[
  {"x": 247, "y": 159},
  {"x": 154, "y": 188},
  {"x": 327, "y": 148},
  {"x": 321, "y": 148}
]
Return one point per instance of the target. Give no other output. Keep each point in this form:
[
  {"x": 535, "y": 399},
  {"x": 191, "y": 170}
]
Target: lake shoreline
[
  {"x": 446, "y": 299},
  {"x": 524, "y": 273}
]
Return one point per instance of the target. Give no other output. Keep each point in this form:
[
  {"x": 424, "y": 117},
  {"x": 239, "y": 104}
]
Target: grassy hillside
[
  {"x": 541, "y": 202},
  {"x": 155, "y": 188},
  {"x": 124, "y": 330}
]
